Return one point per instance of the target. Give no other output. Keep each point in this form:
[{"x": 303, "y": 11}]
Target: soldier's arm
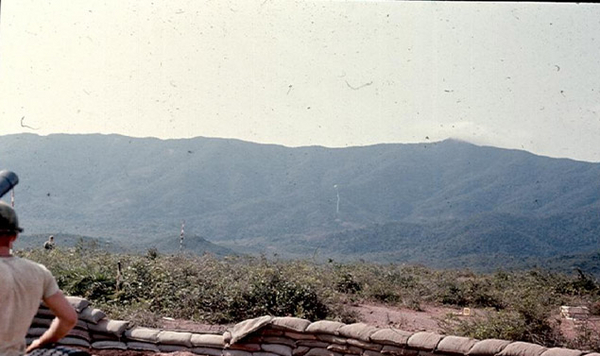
[{"x": 65, "y": 320}]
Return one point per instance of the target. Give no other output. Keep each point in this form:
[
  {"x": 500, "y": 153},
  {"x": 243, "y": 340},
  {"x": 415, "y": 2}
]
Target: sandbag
[
  {"x": 115, "y": 327},
  {"x": 174, "y": 338},
  {"x": 80, "y": 334},
  {"x": 142, "y": 346},
  {"x": 58, "y": 351},
  {"x": 300, "y": 350},
  {"x": 282, "y": 350},
  {"x": 207, "y": 351},
  {"x": 142, "y": 334},
  {"x": 291, "y": 323},
  {"x": 207, "y": 340},
  {"x": 103, "y": 337},
  {"x": 520, "y": 348},
  {"x": 321, "y": 352},
  {"x": 455, "y": 345},
  {"x": 332, "y": 339},
  {"x": 558, "y": 351},
  {"x": 42, "y": 322},
  {"x": 246, "y": 327},
  {"x": 92, "y": 315},
  {"x": 236, "y": 353},
  {"x": 109, "y": 345},
  {"x": 358, "y": 331},
  {"x": 172, "y": 348},
  {"x": 365, "y": 345},
  {"x": 372, "y": 353},
  {"x": 488, "y": 347},
  {"x": 278, "y": 340},
  {"x": 74, "y": 341},
  {"x": 391, "y": 337},
  {"x": 312, "y": 343},
  {"x": 424, "y": 341},
  {"x": 325, "y": 327},
  {"x": 398, "y": 351},
  {"x": 299, "y": 336},
  {"x": 245, "y": 347},
  {"x": 345, "y": 349},
  {"x": 78, "y": 303},
  {"x": 45, "y": 313}
]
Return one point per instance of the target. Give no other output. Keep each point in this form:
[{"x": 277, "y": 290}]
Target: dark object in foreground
[
  {"x": 58, "y": 351},
  {"x": 8, "y": 180}
]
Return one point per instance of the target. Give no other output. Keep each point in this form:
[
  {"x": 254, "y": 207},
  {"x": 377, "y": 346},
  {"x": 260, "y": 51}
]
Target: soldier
[
  {"x": 49, "y": 245},
  {"x": 24, "y": 284}
]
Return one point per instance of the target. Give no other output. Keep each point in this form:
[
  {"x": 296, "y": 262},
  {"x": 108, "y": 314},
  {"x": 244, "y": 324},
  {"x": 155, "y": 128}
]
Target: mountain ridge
[{"x": 232, "y": 192}]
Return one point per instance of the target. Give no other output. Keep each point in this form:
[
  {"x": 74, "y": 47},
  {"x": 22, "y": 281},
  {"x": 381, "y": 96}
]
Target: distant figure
[{"x": 49, "y": 245}]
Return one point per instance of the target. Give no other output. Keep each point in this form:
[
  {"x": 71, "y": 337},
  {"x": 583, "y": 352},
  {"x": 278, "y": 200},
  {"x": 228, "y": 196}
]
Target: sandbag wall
[
  {"x": 281, "y": 336},
  {"x": 93, "y": 329}
]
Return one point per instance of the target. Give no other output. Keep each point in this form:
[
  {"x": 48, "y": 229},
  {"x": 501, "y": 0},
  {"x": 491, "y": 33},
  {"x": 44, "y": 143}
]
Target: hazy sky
[{"x": 332, "y": 73}]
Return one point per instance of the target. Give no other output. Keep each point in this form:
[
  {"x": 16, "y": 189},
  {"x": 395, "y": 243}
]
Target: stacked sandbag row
[
  {"x": 280, "y": 336},
  {"x": 93, "y": 329},
  {"x": 267, "y": 336},
  {"x": 78, "y": 336},
  {"x": 145, "y": 339}
]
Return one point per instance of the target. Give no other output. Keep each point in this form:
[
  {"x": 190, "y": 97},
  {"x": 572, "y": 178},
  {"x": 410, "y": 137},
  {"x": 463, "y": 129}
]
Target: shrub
[
  {"x": 347, "y": 284},
  {"x": 276, "y": 295},
  {"x": 204, "y": 288}
]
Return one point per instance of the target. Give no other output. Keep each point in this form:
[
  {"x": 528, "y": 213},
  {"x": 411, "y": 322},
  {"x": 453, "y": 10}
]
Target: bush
[
  {"x": 519, "y": 305},
  {"x": 189, "y": 287},
  {"x": 347, "y": 284},
  {"x": 276, "y": 295},
  {"x": 507, "y": 325}
]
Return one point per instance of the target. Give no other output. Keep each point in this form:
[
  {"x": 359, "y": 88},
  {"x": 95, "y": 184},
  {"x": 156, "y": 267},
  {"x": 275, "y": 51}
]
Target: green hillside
[{"x": 446, "y": 203}]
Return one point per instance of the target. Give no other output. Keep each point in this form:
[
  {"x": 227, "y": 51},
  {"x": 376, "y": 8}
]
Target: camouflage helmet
[{"x": 9, "y": 223}]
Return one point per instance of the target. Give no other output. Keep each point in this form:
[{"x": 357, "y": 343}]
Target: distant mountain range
[{"x": 444, "y": 204}]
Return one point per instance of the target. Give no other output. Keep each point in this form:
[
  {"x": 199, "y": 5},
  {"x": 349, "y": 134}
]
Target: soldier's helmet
[{"x": 9, "y": 223}]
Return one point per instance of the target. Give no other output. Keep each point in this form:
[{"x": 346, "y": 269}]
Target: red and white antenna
[
  {"x": 12, "y": 198},
  {"x": 181, "y": 235}
]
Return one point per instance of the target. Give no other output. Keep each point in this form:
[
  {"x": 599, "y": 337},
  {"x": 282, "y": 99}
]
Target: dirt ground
[
  {"x": 376, "y": 315},
  {"x": 427, "y": 319},
  {"x": 371, "y": 314},
  {"x": 186, "y": 325},
  {"x": 405, "y": 318}
]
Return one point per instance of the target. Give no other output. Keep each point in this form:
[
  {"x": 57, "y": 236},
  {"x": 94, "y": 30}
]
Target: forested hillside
[{"x": 444, "y": 203}]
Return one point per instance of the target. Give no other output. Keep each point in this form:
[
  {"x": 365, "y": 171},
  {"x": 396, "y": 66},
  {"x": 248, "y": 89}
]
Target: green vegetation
[{"x": 511, "y": 305}]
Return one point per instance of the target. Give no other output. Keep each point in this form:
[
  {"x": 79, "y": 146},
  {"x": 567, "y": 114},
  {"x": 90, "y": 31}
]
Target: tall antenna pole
[
  {"x": 181, "y": 236},
  {"x": 337, "y": 206},
  {"x": 12, "y": 197}
]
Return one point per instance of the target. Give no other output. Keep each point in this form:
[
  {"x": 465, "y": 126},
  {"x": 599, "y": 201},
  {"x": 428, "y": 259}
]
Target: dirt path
[
  {"x": 404, "y": 318},
  {"x": 371, "y": 314}
]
